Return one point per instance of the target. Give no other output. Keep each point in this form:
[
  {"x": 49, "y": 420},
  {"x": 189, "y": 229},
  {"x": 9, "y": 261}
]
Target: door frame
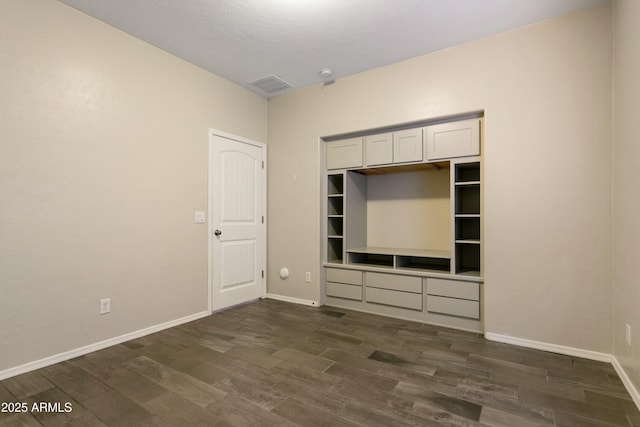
[{"x": 213, "y": 133}]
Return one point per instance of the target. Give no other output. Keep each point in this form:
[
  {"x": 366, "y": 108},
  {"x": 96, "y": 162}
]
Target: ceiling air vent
[{"x": 270, "y": 84}]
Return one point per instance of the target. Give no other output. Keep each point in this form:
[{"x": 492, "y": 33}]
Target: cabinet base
[{"x": 453, "y": 322}]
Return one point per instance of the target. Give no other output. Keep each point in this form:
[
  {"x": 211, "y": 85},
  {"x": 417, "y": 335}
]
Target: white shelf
[
  {"x": 469, "y": 242},
  {"x": 425, "y": 260},
  {"x": 425, "y": 253},
  {"x": 470, "y": 274}
]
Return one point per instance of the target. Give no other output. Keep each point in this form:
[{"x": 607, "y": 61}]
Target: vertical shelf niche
[
  {"x": 467, "y": 217},
  {"x": 335, "y": 218}
]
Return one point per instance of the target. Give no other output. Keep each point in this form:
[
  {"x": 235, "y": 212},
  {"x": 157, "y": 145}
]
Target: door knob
[{"x": 217, "y": 232}]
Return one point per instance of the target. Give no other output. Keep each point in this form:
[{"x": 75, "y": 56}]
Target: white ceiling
[{"x": 245, "y": 40}]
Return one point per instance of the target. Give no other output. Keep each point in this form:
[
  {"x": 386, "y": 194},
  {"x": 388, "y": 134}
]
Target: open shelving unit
[
  {"x": 358, "y": 250},
  {"x": 347, "y": 222},
  {"x": 335, "y": 218},
  {"x": 467, "y": 219}
]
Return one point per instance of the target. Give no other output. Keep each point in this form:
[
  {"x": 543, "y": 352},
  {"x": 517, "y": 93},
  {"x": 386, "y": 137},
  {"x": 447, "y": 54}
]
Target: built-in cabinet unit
[
  {"x": 394, "y": 147},
  {"x": 379, "y": 149},
  {"x": 454, "y": 139},
  {"x": 346, "y": 153},
  {"x": 403, "y": 228}
]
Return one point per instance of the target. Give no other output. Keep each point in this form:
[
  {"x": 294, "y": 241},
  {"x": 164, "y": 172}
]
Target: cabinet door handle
[{"x": 217, "y": 232}]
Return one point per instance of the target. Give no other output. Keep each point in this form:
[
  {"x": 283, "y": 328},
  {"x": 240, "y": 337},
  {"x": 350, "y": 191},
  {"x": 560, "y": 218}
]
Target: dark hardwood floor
[{"x": 271, "y": 363}]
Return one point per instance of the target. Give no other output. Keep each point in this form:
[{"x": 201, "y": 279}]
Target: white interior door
[{"x": 237, "y": 225}]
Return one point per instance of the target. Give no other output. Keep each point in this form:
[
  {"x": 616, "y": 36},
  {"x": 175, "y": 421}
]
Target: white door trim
[{"x": 263, "y": 146}]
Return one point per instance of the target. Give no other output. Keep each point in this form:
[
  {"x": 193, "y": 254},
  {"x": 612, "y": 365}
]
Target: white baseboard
[
  {"x": 293, "y": 300},
  {"x": 571, "y": 351},
  {"x": 61, "y": 357},
  {"x": 633, "y": 391},
  {"x": 553, "y": 348}
]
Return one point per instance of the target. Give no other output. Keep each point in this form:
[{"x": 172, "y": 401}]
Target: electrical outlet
[
  {"x": 105, "y": 306},
  {"x": 307, "y": 277},
  {"x": 628, "y": 335}
]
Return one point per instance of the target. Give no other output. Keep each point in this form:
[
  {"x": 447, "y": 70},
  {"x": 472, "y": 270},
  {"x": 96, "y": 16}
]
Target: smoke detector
[{"x": 326, "y": 73}]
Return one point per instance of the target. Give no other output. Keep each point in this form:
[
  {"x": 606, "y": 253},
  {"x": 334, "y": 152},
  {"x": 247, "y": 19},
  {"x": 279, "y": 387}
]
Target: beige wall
[
  {"x": 626, "y": 182},
  {"x": 409, "y": 210},
  {"x": 103, "y": 161},
  {"x": 546, "y": 92}
]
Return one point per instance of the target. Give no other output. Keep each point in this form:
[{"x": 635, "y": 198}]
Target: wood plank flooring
[{"x": 271, "y": 363}]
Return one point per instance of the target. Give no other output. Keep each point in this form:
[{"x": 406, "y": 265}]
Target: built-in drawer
[
  {"x": 342, "y": 290},
  {"x": 453, "y": 289},
  {"x": 453, "y": 306},
  {"x": 340, "y": 275},
  {"x": 393, "y": 281},
  {"x": 394, "y": 298}
]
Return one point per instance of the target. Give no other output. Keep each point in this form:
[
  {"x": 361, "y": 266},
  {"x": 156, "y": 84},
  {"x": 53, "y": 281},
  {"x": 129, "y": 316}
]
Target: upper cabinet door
[
  {"x": 344, "y": 153},
  {"x": 407, "y": 146},
  {"x": 379, "y": 149},
  {"x": 456, "y": 139}
]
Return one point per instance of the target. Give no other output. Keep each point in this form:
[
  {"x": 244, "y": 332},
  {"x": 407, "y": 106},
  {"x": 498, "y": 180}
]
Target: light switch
[{"x": 200, "y": 217}]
